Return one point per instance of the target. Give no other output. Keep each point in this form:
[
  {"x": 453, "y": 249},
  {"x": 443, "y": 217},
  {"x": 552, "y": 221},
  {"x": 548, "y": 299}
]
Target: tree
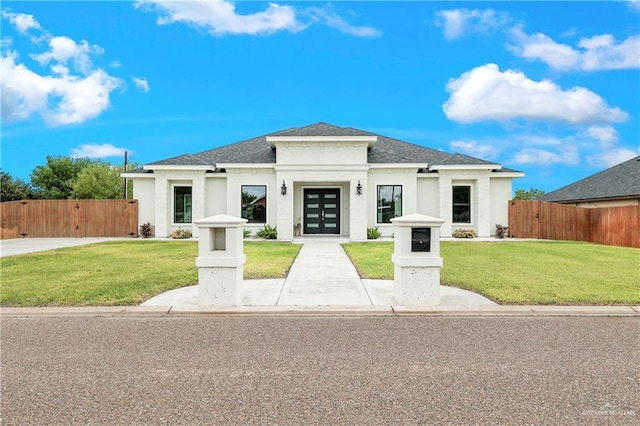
[
  {"x": 54, "y": 180},
  {"x": 12, "y": 189},
  {"x": 531, "y": 194},
  {"x": 100, "y": 180}
]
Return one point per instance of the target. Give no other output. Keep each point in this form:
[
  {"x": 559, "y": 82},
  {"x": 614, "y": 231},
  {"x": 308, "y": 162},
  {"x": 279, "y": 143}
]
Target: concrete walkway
[{"x": 321, "y": 275}]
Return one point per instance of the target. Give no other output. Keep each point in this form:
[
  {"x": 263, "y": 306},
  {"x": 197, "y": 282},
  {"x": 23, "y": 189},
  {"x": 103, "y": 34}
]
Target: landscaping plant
[
  {"x": 267, "y": 232},
  {"x": 373, "y": 233},
  {"x": 181, "y": 234},
  {"x": 464, "y": 233}
]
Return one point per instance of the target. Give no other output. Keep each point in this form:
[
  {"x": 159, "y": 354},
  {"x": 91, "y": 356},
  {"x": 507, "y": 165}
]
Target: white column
[
  {"x": 483, "y": 202},
  {"x": 163, "y": 200},
  {"x": 198, "y": 201},
  {"x": 284, "y": 203},
  {"x": 358, "y": 210},
  {"x": 446, "y": 206}
]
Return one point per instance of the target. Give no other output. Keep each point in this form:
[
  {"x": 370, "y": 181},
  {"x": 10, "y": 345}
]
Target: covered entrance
[{"x": 321, "y": 211}]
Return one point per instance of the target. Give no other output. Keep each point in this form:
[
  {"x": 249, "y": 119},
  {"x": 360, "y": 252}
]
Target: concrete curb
[{"x": 159, "y": 311}]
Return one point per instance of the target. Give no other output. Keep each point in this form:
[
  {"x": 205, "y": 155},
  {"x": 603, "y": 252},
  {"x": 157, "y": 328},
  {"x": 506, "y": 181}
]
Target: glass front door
[{"x": 322, "y": 211}]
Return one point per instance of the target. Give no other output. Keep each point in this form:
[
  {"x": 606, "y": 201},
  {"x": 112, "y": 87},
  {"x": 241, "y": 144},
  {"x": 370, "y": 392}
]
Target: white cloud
[
  {"x": 64, "y": 50},
  {"x": 568, "y": 155},
  {"x": 600, "y": 52},
  {"x": 611, "y": 158},
  {"x": 475, "y": 149},
  {"x": 22, "y": 21},
  {"x": 141, "y": 83},
  {"x": 540, "y": 46},
  {"x": 486, "y": 93},
  {"x": 330, "y": 18},
  {"x": 93, "y": 150},
  {"x": 606, "y": 135},
  {"x": 634, "y": 4},
  {"x": 63, "y": 99},
  {"x": 457, "y": 23},
  {"x": 73, "y": 92},
  {"x": 220, "y": 17}
]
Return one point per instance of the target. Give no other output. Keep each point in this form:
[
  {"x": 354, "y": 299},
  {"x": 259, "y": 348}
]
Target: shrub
[
  {"x": 267, "y": 232},
  {"x": 246, "y": 233},
  {"x": 373, "y": 233},
  {"x": 464, "y": 233},
  {"x": 501, "y": 231},
  {"x": 146, "y": 230},
  {"x": 181, "y": 234}
]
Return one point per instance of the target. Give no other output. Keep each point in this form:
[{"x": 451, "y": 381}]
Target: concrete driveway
[{"x": 31, "y": 245}]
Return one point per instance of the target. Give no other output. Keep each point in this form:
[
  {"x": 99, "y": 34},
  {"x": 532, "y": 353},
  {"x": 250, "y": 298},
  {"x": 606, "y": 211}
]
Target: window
[
  {"x": 254, "y": 203},
  {"x": 389, "y": 202},
  {"x": 461, "y": 204},
  {"x": 181, "y": 204}
]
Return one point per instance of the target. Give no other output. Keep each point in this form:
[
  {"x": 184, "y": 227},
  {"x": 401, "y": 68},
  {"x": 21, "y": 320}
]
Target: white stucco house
[{"x": 331, "y": 180}]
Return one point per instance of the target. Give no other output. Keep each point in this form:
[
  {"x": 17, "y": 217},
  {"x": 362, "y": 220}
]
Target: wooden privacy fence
[
  {"x": 69, "y": 218},
  {"x": 616, "y": 226}
]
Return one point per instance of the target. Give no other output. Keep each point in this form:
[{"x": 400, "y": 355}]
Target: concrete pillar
[
  {"x": 198, "y": 200},
  {"x": 416, "y": 259},
  {"x": 445, "y": 189},
  {"x": 220, "y": 260},
  {"x": 163, "y": 201},
  {"x": 358, "y": 209},
  {"x": 285, "y": 219}
]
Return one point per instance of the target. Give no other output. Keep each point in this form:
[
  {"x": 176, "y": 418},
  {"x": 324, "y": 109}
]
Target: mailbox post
[
  {"x": 416, "y": 259},
  {"x": 220, "y": 260}
]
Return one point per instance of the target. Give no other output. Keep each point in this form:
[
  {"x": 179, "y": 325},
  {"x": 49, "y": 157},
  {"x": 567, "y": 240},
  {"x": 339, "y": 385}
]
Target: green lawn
[
  {"x": 537, "y": 272},
  {"x": 121, "y": 272}
]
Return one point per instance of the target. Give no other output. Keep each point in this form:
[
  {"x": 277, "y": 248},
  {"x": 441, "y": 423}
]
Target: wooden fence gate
[
  {"x": 69, "y": 218},
  {"x": 617, "y": 226}
]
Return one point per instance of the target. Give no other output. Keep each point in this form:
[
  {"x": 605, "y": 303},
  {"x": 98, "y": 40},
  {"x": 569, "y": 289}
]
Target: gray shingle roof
[
  {"x": 322, "y": 129},
  {"x": 621, "y": 181},
  {"x": 385, "y": 150}
]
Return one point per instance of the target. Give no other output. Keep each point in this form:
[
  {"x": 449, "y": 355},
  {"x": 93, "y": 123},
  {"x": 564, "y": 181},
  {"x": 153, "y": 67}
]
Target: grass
[
  {"x": 122, "y": 272},
  {"x": 544, "y": 272}
]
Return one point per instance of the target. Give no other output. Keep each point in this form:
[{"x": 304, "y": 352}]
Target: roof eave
[
  {"x": 273, "y": 140},
  {"x": 179, "y": 167},
  {"x": 465, "y": 167}
]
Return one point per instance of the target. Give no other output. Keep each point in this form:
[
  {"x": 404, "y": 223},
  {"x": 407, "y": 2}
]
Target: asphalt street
[{"x": 320, "y": 370}]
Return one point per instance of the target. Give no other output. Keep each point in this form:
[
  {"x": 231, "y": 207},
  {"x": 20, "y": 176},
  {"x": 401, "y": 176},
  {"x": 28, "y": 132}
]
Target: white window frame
[
  {"x": 471, "y": 204},
  {"x": 401, "y": 203},
  {"x": 173, "y": 203},
  {"x": 266, "y": 210}
]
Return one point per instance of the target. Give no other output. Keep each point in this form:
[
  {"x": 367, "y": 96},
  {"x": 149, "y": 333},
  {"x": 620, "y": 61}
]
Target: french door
[{"x": 322, "y": 211}]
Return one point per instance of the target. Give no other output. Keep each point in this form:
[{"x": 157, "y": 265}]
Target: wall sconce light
[
  {"x": 283, "y": 189},
  {"x": 359, "y": 189}
]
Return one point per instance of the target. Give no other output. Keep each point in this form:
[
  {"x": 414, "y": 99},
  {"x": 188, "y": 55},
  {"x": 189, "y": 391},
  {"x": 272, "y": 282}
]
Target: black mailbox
[{"x": 420, "y": 239}]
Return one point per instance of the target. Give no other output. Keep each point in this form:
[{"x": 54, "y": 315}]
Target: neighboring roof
[
  {"x": 621, "y": 181},
  {"x": 385, "y": 150}
]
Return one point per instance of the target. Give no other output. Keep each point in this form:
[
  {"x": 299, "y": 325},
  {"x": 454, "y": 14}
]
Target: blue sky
[{"x": 549, "y": 88}]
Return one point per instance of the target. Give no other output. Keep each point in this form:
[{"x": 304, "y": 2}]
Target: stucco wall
[
  {"x": 501, "y": 193},
  {"x": 236, "y": 178},
  {"x": 216, "y": 195},
  {"x": 392, "y": 176},
  {"x": 144, "y": 192},
  {"x": 318, "y": 153},
  {"x": 428, "y": 201}
]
